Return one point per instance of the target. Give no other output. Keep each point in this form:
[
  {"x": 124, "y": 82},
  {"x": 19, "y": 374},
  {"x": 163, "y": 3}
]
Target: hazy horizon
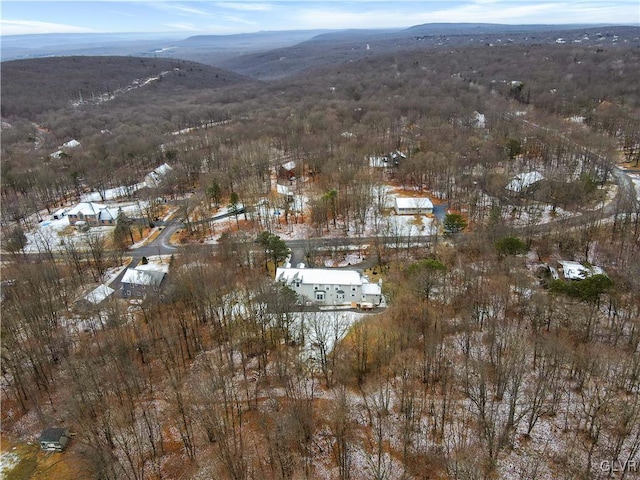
[{"x": 228, "y": 18}]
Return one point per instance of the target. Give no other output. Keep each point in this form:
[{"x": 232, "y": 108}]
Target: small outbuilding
[
  {"x": 577, "y": 271},
  {"x": 524, "y": 181},
  {"x": 155, "y": 178},
  {"x": 287, "y": 171},
  {"x": 54, "y": 439}
]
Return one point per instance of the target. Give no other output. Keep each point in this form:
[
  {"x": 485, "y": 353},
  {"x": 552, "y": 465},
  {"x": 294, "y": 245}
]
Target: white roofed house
[
  {"x": 154, "y": 178},
  {"x": 330, "y": 286},
  {"x": 99, "y": 294},
  {"x": 577, "y": 271},
  {"x": 71, "y": 144},
  {"x": 62, "y": 151},
  {"x": 287, "y": 171},
  {"x": 524, "y": 181},
  {"x": 138, "y": 282},
  {"x": 93, "y": 214},
  {"x": 413, "y": 206}
]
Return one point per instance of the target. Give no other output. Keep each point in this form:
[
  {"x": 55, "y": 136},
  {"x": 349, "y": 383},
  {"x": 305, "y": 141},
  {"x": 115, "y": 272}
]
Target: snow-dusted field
[
  {"x": 8, "y": 461},
  {"x": 111, "y": 193}
]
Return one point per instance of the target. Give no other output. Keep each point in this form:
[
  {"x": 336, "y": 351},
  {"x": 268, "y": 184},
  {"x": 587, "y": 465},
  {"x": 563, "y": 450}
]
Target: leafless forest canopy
[{"x": 482, "y": 366}]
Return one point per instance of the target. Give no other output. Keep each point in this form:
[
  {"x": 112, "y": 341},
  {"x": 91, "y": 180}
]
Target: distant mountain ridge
[
  {"x": 472, "y": 28},
  {"x": 260, "y": 55},
  {"x": 351, "y": 45},
  {"x": 14, "y": 47},
  {"x": 65, "y": 81},
  {"x": 213, "y": 49}
]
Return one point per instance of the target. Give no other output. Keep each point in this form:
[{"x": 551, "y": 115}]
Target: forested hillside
[
  {"x": 31, "y": 87},
  {"x": 487, "y": 359}
]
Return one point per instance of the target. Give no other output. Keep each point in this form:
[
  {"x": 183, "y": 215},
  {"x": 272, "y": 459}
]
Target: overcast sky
[{"x": 49, "y": 16}]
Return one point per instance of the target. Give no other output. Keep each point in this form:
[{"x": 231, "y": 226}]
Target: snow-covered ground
[
  {"x": 538, "y": 213},
  {"x": 322, "y": 331},
  {"x": 344, "y": 260},
  {"x": 51, "y": 233},
  {"x": 635, "y": 178},
  {"x": 48, "y": 236},
  {"x": 111, "y": 193},
  {"x": 8, "y": 461}
]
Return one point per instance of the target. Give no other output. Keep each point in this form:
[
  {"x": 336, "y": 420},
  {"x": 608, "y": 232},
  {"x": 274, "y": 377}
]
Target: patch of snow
[
  {"x": 524, "y": 180},
  {"x": 111, "y": 193},
  {"x": 8, "y": 461}
]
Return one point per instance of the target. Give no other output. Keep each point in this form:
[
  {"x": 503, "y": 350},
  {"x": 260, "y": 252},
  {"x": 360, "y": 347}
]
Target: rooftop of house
[
  {"x": 160, "y": 172},
  {"x": 136, "y": 276},
  {"x": 371, "y": 289},
  {"x": 99, "y": 294},
  {"x": 289, "y": 165},
  {"x": 577, "y": 271},
  {"x": 320, "y": 276},
  {"x": 524, "y": 180},
  {"x": 71, "y": 144},
  {"x": 155, "y": 266},
  {"x": 413, "y": 202},
  {"x": 163, "y": 169},
  {"x": 86, "y": 208},
  {"x": 53, "y": 434},
  {"x": 102, "y": 212}
]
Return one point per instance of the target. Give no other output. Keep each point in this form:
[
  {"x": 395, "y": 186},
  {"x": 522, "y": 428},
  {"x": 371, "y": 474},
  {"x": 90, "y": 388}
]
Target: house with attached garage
[
  {"x": 142, "y": 280},
  {"x": 92, "y": 214},
  {"x": 330, "y": 286},
  {"x": 413, "y": 206}
]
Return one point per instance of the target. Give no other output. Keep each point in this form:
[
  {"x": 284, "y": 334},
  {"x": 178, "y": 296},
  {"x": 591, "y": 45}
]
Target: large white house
[
  {"x": 413, "y": 206},
  {"x": 330, "y": 286}
]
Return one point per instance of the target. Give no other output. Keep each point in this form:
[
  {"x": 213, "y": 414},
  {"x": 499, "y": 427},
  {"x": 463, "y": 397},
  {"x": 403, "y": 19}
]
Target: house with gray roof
[
  {"x": 142, "y": 280},
  {"x": 54, "y": 439}
]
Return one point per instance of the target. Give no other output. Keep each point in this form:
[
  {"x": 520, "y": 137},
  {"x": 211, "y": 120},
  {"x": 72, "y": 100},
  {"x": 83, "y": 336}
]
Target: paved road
[{"x": 301, "y": 247}]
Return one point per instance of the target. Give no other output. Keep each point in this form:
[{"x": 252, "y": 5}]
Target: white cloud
[
  {"x": 24, "y": 27},
  {"x": 243, "y": 21},
  {"x": 180, "y": 9},
  {"x": 125, "y": 14},
  {"x": 249, "y": 7},
  {"x": 188, "y": 27},
  {"x": 373, "y": 14}
]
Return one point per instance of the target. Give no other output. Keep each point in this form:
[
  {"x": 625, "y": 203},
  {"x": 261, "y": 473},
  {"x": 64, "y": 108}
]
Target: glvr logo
[{"x": 617, "y": 466}]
